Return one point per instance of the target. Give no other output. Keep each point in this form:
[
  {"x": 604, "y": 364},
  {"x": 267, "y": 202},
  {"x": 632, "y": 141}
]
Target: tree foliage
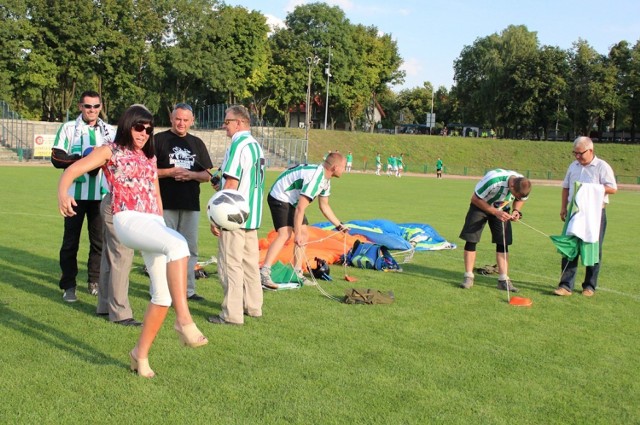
[{"x": 160, "y": 52}]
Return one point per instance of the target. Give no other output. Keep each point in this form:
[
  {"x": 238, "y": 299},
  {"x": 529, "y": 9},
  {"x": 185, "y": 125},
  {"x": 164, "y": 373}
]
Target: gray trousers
[
  {"x": 186, "y": 223},
  {"x": 115, "y": 265}
]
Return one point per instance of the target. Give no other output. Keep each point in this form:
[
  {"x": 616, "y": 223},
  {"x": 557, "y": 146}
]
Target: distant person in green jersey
[
  {"x": 288, "y": 200},
  {"x": 75, "y": 140},
  {"x": 439, "y": 168},
  {"x": 391, "y": 165},
  {"x": 497, "y": 199},
  {"x": 243, "y": 169},
  {"x": 378, "y": 164},
  {"x": 399, "y": 165},
  {"x": 349, "y": 161}
]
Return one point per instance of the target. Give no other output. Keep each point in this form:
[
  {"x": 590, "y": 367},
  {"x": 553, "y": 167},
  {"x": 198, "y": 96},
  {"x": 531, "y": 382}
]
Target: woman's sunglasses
[{"x": 141, "y": 127}]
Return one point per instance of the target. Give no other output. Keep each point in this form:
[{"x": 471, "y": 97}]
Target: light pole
[
  {"x": 311, "y": 62},
  {"x": 327, "y": 70}
]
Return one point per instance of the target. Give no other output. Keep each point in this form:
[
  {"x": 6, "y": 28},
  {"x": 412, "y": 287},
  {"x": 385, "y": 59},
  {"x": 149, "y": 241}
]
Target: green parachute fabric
[
  {"x": 284, "y": 273},
  {"x": 571, "y": 246}
]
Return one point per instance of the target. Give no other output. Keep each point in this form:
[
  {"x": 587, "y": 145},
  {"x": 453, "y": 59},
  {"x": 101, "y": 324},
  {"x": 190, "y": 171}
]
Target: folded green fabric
[
  {"x": 283, "y": 273},
  {"x": 570, "y": 246}
]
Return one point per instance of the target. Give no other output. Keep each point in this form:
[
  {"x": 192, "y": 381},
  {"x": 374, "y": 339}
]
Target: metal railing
[{"x": 14, "y": 132}]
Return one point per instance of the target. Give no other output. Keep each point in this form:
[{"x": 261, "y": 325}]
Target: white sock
[
  {"x": 469, "y": 274},
  {"x": 503, "y": 277}
]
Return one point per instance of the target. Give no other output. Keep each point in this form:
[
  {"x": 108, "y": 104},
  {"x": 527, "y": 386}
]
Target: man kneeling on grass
[
  {"x": 288, "y": 199},
  {"x": 490, "y": 202}
]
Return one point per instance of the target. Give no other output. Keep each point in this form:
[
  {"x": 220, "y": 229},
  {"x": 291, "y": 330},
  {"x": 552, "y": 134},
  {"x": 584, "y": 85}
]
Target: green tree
[
  {"x": 592, "y": 85},
  {"x": 63, "y": 42},
  {"x": 127, "y": 60},
  {"x": 418, "y": 101},
  {"x": 494, "y": 80},
  {"x": 620, "y": 56},
  {"x": 551, "y": 73},
  {"x": 633, "y": 84},
  {"x": 15, "y": 35}
]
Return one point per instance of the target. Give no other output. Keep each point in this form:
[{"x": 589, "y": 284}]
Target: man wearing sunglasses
[
  {"x": 183, "y": 161},
  {"x": 497, "y": 199},
  {"x": 76, "y": 139},
  {"x": 587, "y": 168}
]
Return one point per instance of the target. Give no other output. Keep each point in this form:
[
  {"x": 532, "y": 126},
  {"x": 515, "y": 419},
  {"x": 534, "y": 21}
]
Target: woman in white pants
[{"x": 129, "y": 165}]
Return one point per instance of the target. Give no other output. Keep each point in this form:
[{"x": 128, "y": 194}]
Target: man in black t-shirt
[{"x": 183, "y": 163}]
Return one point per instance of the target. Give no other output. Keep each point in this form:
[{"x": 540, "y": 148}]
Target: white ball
[{"x": 228, "y": 209}]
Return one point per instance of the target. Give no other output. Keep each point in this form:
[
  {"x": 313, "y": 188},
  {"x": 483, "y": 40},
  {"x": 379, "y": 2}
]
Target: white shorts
[{"x": 158, "y": 243}]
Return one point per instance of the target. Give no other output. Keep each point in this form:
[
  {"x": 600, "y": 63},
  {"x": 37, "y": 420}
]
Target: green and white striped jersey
[
  {"x": 494, "y": 186},
  {"x": 74, "y": 137},
  {"x": 303, "y": 179},
  {"x": 244, "y": 161}
]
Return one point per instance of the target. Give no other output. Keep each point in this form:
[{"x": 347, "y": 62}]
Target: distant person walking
[
  {"x": 391, "y": 165},
  {"x": 439, "y": 168},
  {"x": 378, "y": 164},
  {"x": 349, "y": 161},
  {"x": 399, "y": 165}
]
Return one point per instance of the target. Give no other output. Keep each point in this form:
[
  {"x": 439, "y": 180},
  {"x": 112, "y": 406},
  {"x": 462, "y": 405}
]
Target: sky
[{"x": 430, "y": 34}]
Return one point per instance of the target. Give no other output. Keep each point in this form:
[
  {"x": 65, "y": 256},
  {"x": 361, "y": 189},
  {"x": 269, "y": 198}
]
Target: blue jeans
[{"x": 591, "y": 275}]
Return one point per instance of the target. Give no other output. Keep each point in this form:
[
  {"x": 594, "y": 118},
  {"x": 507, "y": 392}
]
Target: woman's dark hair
[{"x": 135, "y": 114}]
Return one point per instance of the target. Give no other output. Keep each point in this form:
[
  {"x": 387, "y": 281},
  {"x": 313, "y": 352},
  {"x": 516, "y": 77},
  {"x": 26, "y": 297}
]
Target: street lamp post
[
  {"x": 327, "y": 70},
  {"x": 311, "y": 62}
]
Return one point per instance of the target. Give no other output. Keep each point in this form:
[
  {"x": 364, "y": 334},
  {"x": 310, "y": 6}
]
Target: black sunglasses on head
[{"x": 141, "y": 127}]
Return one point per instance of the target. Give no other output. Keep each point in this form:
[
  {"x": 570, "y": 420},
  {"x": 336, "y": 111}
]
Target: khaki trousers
[{"x": 239, "y": 274}]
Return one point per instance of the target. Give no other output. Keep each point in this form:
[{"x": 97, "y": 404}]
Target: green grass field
[
  {"x": 470, "y": 156},
  {"x": 439, "y": 354}
]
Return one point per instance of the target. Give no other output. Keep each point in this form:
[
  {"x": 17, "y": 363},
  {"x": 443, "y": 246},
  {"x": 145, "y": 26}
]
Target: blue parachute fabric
[
  {"x": 424, "y": 237},
  {"x": 378, "y": 231},
  {"x": 420, "y": 236}
]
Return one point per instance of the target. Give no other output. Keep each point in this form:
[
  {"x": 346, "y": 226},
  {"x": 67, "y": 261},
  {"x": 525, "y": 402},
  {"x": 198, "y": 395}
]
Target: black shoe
[
  {"x": 195, "y": 297},
  {"x": 220, "y": 321},
  {"x": 128, "y": 322},
  {"x": 69, "y": 295}
]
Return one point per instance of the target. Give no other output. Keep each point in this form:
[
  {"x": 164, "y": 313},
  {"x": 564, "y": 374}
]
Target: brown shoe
[
  {"x": 562, "y": 292},
  {"x": 588, "y": 292},
  {"x": 467, "y": 283}
]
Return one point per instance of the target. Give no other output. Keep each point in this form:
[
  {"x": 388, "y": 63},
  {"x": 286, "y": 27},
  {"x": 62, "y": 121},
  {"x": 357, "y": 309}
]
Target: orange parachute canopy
[{"x": 328, "y": 245}]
